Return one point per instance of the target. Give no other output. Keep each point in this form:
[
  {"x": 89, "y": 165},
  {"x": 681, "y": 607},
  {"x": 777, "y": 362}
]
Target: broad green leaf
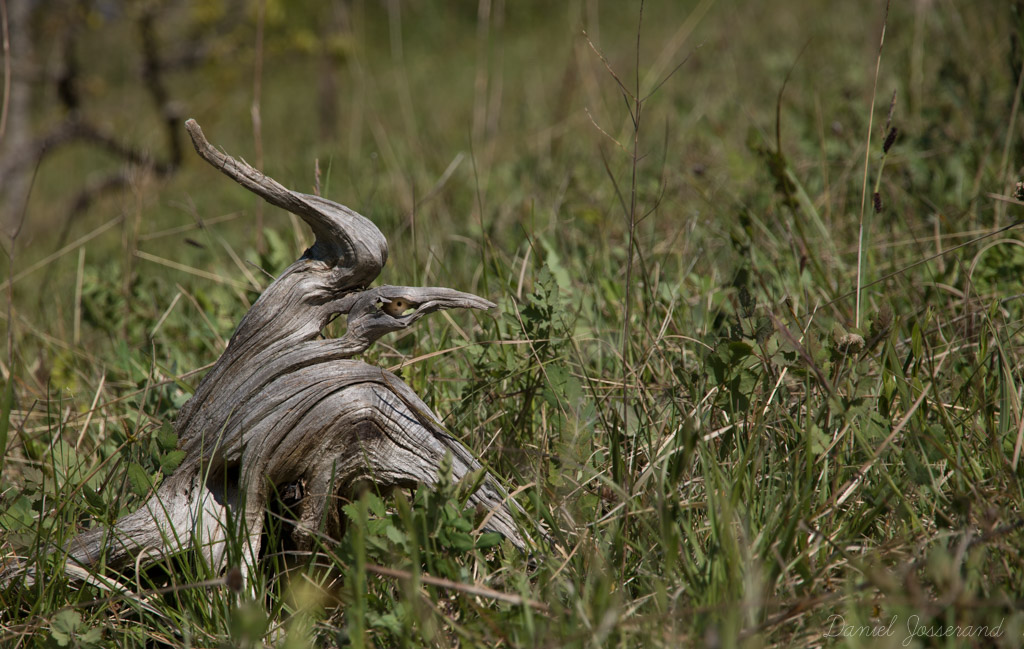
[{"x": 138, "y": 479}]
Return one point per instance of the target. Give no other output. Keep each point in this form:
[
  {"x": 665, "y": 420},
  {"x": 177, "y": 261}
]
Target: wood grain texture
[{"x": 282, "y": 406}]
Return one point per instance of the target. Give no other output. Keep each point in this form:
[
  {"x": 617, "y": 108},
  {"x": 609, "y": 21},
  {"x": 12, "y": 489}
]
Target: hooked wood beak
[{"x": 383, "y": 309}]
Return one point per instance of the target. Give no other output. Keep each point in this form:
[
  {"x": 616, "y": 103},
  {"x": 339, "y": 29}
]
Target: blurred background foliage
[{"x": 480, "y": 120}]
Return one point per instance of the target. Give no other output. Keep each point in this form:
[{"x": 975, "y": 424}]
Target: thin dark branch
[
  {"x": 152, "y": 77},
  {"x": 611, "y": 177},
  {"x": 778, "y": 100},
  {"x": 636, "y": 70}
]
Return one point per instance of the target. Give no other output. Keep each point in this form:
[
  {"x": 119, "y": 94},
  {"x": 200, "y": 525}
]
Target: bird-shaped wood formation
[{"x": 283, "y": 406}]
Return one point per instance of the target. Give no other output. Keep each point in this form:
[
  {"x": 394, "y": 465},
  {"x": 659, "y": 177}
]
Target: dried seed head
[
  {"x": 849, "y": 343},
  {"x": 882, "y": 322},
  {"x": 892, "y": 110},
  {"x": 876, "y": 200},
  {"x": 890, "y": 138},
  {"x": 234, "y": 579}
]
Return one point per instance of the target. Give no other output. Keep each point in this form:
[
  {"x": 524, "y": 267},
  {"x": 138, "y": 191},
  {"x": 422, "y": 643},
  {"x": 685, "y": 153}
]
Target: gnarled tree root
[{"x": 281, "y": 406}]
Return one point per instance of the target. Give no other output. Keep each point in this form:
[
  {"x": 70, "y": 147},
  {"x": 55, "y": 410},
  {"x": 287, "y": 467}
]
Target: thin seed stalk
[{"x": 618, "y": 468}]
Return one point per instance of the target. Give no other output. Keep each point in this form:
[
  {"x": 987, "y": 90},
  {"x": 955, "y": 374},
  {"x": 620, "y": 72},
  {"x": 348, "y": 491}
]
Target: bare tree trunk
[{"x": 18, "y": 129}]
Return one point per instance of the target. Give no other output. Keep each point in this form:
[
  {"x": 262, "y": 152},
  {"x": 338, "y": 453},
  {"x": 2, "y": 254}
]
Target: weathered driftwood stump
[{"x": 282, "y": 407}]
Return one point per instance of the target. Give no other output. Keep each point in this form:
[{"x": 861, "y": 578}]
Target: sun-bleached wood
[{"x": 283, "y": 406}]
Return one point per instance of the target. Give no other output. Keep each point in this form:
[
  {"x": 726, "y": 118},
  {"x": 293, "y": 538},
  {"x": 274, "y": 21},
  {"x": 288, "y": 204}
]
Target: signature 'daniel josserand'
[{"x": 914, "y": 627}]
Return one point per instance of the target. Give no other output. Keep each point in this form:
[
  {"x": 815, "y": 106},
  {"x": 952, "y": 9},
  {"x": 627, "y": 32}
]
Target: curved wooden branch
[
  {"x": 342, "y": 236},
  {"x": 281, "y": 406}
]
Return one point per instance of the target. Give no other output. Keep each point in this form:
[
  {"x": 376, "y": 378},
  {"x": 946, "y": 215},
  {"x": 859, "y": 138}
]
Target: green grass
[{"x": 718, "y": 461}]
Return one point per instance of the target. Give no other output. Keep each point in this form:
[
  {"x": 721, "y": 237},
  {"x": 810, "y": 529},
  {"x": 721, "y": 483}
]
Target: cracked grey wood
[{"x": 281, "y": 406}]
